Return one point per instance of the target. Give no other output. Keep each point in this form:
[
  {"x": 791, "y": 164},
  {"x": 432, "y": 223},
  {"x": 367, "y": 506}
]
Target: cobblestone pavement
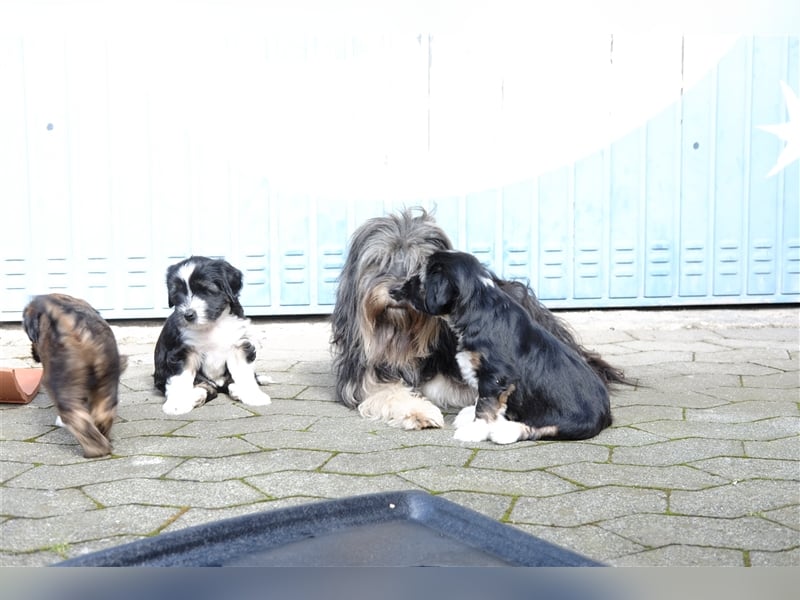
[{"x": 699, "y": 468}]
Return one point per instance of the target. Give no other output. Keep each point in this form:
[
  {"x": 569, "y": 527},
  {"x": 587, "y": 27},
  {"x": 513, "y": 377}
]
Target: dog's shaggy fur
[
  {"x": 395, "y": 363},
  {"x": 529, "y": 384},
  {"x": 81, "y": 364},
  {"x": 204, "y": 347}
]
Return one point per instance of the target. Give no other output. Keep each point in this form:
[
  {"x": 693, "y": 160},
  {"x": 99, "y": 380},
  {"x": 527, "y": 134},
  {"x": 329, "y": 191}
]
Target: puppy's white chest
[{"x": 216, "y": 344}]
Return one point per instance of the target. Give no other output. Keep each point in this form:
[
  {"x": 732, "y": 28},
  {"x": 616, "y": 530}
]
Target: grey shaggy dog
[{"x": 392, "y": 362}]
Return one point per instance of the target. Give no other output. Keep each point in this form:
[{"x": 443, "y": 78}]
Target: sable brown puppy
[
  {"x": 393, "y": 362},
  {"x": 81, "y": 364},
  {"x": 528, "y": 383}
]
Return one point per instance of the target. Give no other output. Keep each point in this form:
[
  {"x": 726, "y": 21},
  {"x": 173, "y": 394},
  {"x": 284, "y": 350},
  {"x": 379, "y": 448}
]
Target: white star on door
[{"x": 789, "y": 132}]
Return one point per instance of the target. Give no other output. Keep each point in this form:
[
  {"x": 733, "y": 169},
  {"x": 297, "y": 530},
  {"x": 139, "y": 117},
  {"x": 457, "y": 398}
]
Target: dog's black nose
[
  {"x": 396, "y": 292},
  {"x": 190, "y": 315}
]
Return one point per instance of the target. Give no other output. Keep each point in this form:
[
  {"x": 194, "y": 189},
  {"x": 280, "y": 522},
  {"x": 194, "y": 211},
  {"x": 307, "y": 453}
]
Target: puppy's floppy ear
[
  {"x": 232, "y": 285},
  {"x": 233, "y": 277},
  {"x": 30, "y": 322},
  {"x": 171, "y": 290},
  {"x": 439, "y": 294}
]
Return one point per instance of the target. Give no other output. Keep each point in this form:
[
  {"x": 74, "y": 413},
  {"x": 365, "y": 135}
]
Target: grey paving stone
[
  {"x": 135, "y": 398},
  {"x": 588, "y": 540},
  {"x": 297, "y": 376},
  {"x": 740, "y": 499},
  {"x": 652, "y": 357},
  {"x": 316, "y": 392},
  {"x": 25, "y": 414},
  {"x": 676, "y": 452},
  {"x": 748, "y": 335},
  {"x": 764, "y": 429},
  {"x": 28, "y": 503},
  {"x": 325, "y": 485},
  {"x": 256, "y": 463},
  {"x": 789, "y": 558},
  {"x": 41, "y": 558},
  {"x": 732, "y": 394},
  {"x": 181, "y": 446},
  {"x": 39, "y": 452},
  {"x": 739, "y": 469},
  {"x": 787, "y": 448},
  {"x": 539, "y": 455},
  {"x": 10, "y": 469},
  {"x": 140, "y": 382},
  {"x": 744, "y": 533},
  {"x": 28, "y": 535},
  {"x": 494, "y": 506},
  {"x": 702, "y": 366},
  {"x": 699, "y": 382},
  {"x": 629, "y": 415},
  {"x": 654, "y": 396},
  {"x": 626, "y": 436},
  {"x": 83, "y": 548},
  {"x": 161, "y": 492},
  {"x": 788, "y": 516},
  {"x": 682, "y": 556},
  {"x": 667, "y": 345},
  {"x": 690, "y": 365},
  {"x": 425, "y": 437},
  {"x": 666, "y": 477},
  {"x": 22, "y": 432},
  {"x": 685, "y": 335},
  {"x": 317, "y": 408},
  {"x": 614, "y": 350},
  {"x": 145, "y": 427},
  {"x": 584, "y": 507},
  {"x": 790, "y": 380},
  {"x": 282, "y": 391},
  {"x": 745, "y": 412},
  {"x": 244, "y": 425},
  {"x": 789, "y": 363},
  {"x": 745, "y": 354},
  {"x": 331, "y": 441},
  {"x": 202, "y": 516},
  {"x": 45, "y": 477},
  {"x": 396, "y": 460},
  {"x": 454, "y": 479}
]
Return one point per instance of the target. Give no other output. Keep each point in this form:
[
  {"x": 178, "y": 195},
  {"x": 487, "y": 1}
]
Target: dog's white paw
[
  {"x": 264, "y": 379},
  {"x": 424, "y": 416},
  {"x": 505, "y": 432},
  {"x": 475, "y": 431},
  {"x": 464, "y": 417},
  {"x": 59, "y": 422},
  {"x": 252, "y": 396},
  {"x": 180, "y": 404}
]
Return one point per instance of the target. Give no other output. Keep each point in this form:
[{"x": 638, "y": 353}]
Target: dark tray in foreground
[{"x": 389, "y": 529}]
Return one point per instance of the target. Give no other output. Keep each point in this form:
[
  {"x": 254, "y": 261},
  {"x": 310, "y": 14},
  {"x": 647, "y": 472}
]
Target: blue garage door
[{"x": 661, "y": 172}]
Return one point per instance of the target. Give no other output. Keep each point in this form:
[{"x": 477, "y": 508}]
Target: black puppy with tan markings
[
  {"x": 530, "y": 384},
  {"x": 81, "y": 364}
]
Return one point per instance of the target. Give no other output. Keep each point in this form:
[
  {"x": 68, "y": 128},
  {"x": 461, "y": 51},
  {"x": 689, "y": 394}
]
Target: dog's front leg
[
  {"x": 182, "y": 395},
  {"x": 245, "y": 383}
]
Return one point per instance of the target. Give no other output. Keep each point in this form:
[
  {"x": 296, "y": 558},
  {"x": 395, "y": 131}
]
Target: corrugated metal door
[{"x": 657, "y": 171}]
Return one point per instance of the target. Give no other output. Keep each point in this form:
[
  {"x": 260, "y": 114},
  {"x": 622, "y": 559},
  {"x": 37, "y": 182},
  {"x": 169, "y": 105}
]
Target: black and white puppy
[
  {"x": 530, "y": 385},
  {"x": 204, "y": 347}
]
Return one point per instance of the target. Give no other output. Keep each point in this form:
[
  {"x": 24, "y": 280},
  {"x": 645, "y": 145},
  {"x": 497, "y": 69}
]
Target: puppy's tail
[{"x": 608, "y": 374}]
